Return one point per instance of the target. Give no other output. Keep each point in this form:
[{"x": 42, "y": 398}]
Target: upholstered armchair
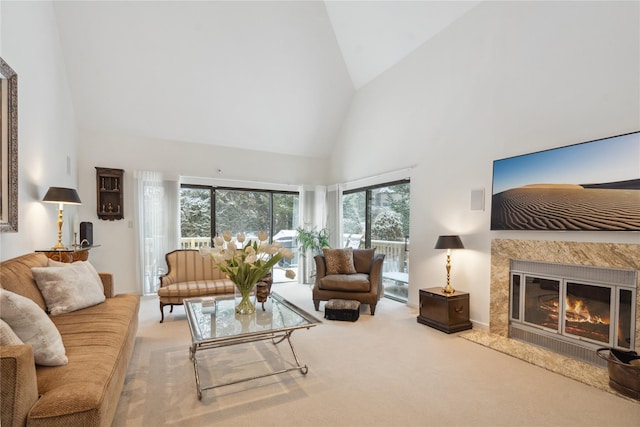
[
  {"x": 190, "y": 275},
  {"x": 350, "y": 274}
]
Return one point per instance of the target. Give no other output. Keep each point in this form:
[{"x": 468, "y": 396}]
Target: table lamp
[
  {"x": 448, "y": 243},
  {"x": 61, "y": 196}
]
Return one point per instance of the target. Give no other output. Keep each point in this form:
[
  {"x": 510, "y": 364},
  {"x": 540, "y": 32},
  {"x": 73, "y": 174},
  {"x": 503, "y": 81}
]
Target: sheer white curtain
[
  {"x": 313, "y": 205},
  {"x": 334, "y": 215},
  {"x": 322, "y": 208},
  {"x": 157, "y": 225}
]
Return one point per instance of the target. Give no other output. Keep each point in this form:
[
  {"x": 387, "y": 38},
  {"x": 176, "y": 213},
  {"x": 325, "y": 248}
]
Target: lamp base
[
  {"x": 448, "y": 289},
  {"x": 59, "y": 245}
]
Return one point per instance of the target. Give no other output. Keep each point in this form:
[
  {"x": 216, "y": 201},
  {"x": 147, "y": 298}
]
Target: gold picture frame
[{"x": 9, "y": 151}]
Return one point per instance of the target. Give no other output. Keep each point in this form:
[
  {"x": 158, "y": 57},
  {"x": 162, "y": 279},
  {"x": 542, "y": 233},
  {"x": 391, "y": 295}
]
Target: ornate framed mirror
[{"x": 9, "y": 151}]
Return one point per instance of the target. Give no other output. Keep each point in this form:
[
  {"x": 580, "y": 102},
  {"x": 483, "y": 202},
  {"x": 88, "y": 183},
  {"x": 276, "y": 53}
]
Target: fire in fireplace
[
  {"x": 588, "y": 312},
  {"x": 571, "y": 309}
]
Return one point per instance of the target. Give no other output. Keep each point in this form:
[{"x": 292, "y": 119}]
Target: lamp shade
[
  {"x": 62, "y": 195},
  {"x": 449, "y": 242}
]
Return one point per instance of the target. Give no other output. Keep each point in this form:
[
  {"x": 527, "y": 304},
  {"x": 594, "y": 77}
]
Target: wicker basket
[{"x": 624, "y": 377}]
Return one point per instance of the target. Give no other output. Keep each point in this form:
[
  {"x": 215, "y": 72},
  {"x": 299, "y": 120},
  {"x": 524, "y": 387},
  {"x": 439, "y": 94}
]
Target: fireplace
[
  {"x": 572, "y": 309},
  {"x": 616, "y": 256}
]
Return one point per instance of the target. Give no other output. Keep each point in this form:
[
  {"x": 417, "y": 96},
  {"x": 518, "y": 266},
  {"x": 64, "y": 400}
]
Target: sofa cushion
[
  {"x": 357, "y": 282},
  {"x": 339, "y": 261},
  {"x": 33, "y": 326},
  {"x": 69, "y": 288},
  {"x": 15, "y": 276},
  {"x": 7, "y": 336},
  {"x": 99, "y": 341},
  {"x": 362, "y": 259}
]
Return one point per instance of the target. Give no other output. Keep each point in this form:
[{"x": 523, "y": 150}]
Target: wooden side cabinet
[
  {"x": 110, "y": 200},
  {"x": 446, "y": 312}
]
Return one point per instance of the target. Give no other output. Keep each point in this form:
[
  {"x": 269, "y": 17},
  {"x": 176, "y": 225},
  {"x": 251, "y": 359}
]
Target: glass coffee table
[{"x": 213, "y": 324}]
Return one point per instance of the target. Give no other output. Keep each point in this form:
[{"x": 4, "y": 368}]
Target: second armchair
[{"x": 360, "y": 281}]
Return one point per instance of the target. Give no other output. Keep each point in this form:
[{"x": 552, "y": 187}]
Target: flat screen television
[{"x": 591, "y": 186}]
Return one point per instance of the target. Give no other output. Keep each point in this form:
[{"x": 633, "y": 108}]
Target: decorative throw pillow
[
  {"x": 87, "y": 264},
  {"x": 339, "y": 261},
  {"x": 69, "y": 288},
  {"x": 33, "y": 326},
  {"x": 7, "y": 336},
  {"x": 362, "y": 259},
  {"x": 93, "y": 272}
]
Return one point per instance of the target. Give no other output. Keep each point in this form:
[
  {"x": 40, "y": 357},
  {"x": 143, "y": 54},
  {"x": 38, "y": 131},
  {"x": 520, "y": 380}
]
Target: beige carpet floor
[{"x": 383, "y": 370}]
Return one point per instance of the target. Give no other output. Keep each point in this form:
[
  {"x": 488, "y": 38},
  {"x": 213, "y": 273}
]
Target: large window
[
  {"x": 378, "y": 217},
  {"x": 195, "y": 216},
  {"x": 209, "y": 211}
]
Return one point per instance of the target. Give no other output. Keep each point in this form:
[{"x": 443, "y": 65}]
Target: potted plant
[{"x": 311, "y": 241}]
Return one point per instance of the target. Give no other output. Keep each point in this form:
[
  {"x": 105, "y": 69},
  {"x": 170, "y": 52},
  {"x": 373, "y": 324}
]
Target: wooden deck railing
[
  {"x": 194, "y": 242},
  {"x": 395, "y": 253}
]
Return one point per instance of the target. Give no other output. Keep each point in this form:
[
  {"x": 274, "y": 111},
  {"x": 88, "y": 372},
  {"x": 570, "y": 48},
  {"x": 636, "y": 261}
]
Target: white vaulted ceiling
[
  {"x": 375, "y": 35},
  {"x": 271, "y": 76}
]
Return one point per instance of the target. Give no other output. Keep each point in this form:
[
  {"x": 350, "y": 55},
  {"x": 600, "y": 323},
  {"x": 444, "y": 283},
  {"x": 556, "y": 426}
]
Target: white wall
[
  {"x": 46, "y": 124},
  {"x": 117, "y": 249},
  {"x": 506, "y": 79}
]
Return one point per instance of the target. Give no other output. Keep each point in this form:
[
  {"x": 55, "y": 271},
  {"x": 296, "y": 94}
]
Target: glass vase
[{"x": 245, "y": 300}]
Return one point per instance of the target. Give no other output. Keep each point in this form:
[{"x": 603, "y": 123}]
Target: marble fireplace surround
[{"x": 616, "y": 255}]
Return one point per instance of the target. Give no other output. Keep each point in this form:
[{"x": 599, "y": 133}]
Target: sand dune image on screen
[{"x": 567, "y": 207}]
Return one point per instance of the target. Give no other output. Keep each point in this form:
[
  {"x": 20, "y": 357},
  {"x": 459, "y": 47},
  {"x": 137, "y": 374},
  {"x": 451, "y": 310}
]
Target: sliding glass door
[
  {"x": 195, "y": 216},
  {"x": 242, "y": 211},
  {"x": 378, "y": 217},
  {"x": 209, "y": 211}
]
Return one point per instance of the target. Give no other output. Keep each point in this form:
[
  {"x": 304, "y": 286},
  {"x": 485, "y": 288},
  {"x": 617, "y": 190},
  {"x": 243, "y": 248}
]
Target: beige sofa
[
  {"x": 190, "y": 275},
  {"x": 98, "y": 341},
  {"x": 364, "y": 284}
]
